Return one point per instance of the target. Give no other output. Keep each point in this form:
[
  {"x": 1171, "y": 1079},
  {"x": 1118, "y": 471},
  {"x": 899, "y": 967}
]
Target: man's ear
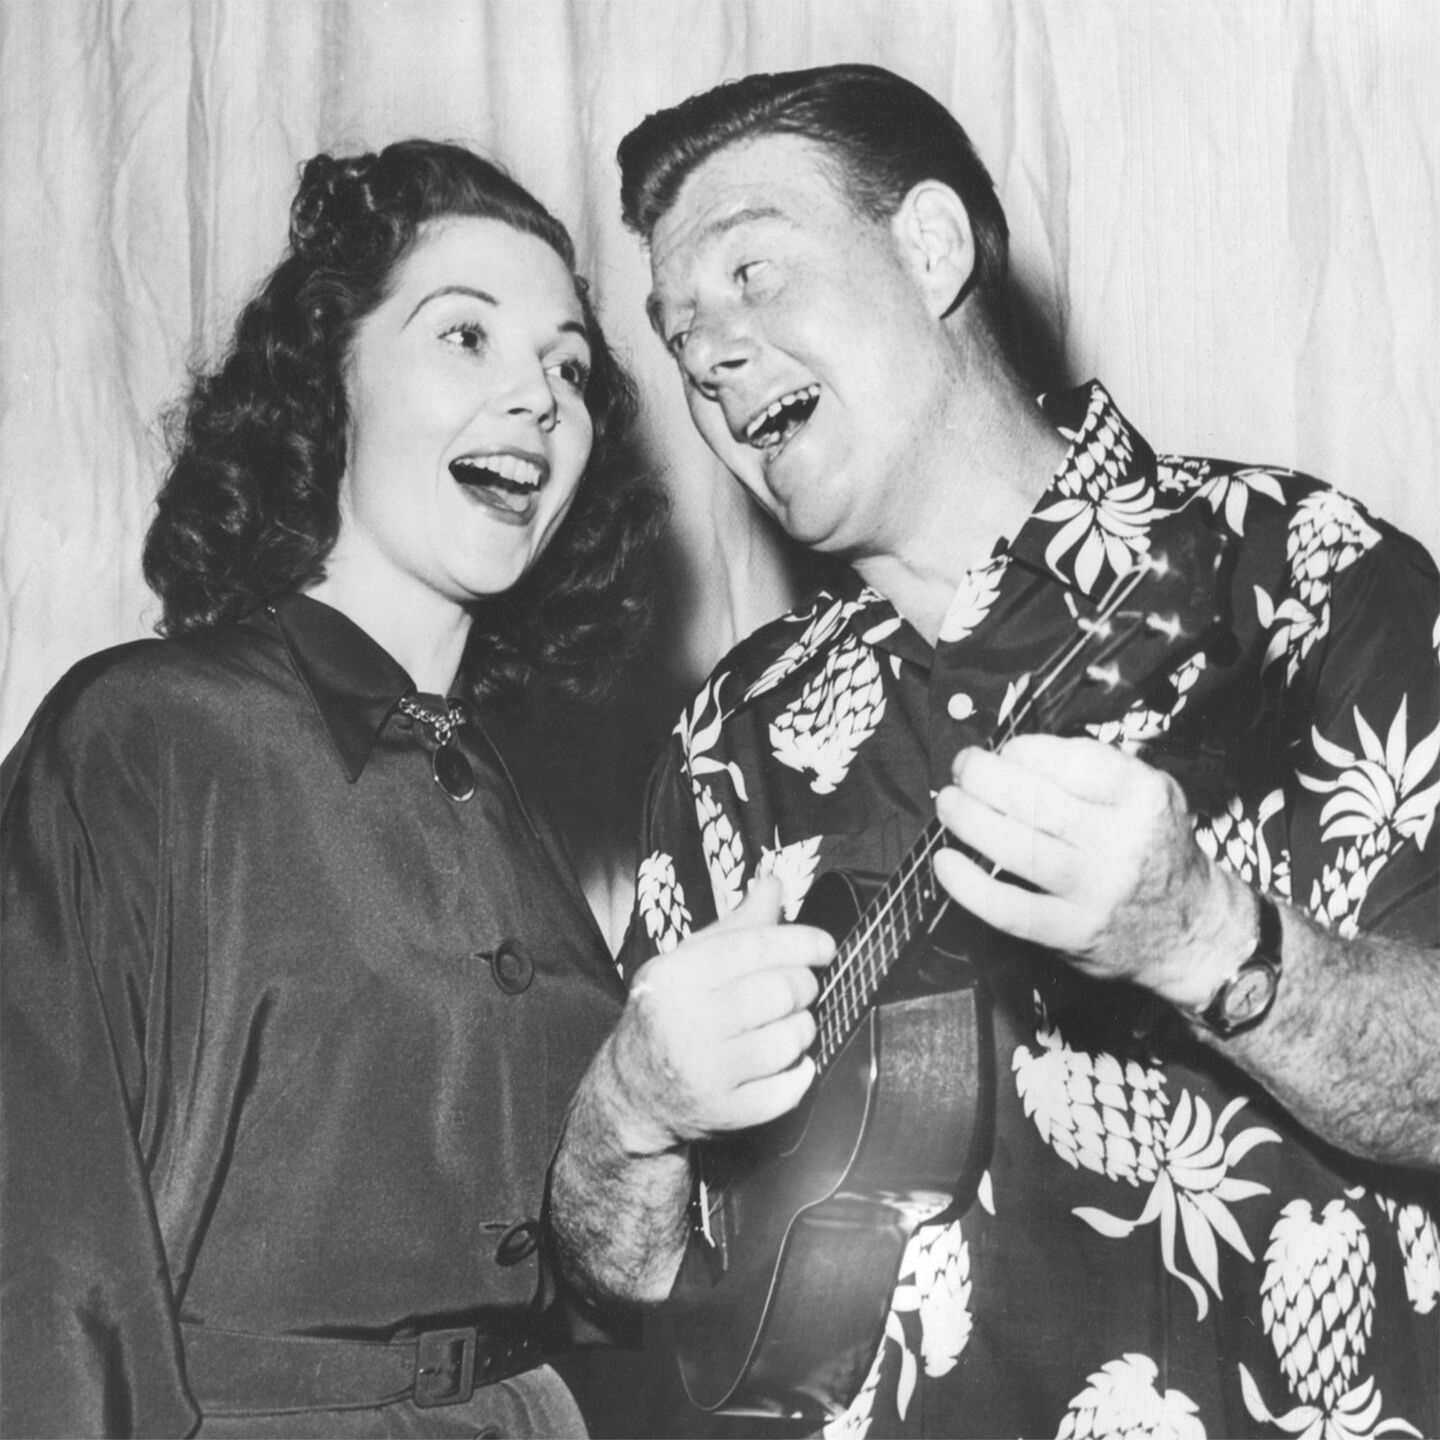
[{"x": 932, "y": 227}]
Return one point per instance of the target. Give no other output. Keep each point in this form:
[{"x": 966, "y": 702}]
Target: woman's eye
[
  {"x": 468, "y": 336},
  {"x": 575, "y": 373}
]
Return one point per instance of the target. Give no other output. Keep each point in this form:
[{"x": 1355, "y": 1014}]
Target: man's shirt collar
[
  {"x": 351, "y": 679},
  {"x": 1091, "y": 522}
]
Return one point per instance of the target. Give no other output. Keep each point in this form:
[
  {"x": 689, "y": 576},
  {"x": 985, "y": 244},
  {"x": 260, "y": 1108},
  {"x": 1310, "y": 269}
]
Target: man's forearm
[
  {"x": 618, "y": 1217},
  {"x": 1352, "y": 1045}
]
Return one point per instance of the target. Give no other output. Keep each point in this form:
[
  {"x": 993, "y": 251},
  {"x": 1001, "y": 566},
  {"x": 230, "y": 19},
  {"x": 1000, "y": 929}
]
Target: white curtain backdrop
[{"x": 1227, "y": 209}]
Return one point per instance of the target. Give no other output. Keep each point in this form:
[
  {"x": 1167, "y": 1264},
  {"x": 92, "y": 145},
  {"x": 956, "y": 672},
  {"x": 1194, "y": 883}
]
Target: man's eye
[
  {"x": 468, "y": 336},
  {"x": 746, "y": 272}
]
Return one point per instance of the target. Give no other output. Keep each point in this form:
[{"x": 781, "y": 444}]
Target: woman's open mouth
[{"x": 505, "y": 481}]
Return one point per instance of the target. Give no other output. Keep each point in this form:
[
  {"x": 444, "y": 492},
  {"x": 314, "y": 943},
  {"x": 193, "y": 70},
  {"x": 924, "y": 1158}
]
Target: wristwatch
[{"x": 1245, "y": 998}]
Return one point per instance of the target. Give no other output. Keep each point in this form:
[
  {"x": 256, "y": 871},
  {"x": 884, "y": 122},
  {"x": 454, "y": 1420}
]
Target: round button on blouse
[{"x": 512, "y": 968}]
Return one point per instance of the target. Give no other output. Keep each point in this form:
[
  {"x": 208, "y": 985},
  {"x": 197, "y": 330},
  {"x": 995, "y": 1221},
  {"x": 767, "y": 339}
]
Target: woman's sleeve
[{"x": 89, "y": 1343}]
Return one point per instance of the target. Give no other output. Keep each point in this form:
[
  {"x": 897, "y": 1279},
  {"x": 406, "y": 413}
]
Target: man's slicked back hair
[{"x": 883, "y": 133}]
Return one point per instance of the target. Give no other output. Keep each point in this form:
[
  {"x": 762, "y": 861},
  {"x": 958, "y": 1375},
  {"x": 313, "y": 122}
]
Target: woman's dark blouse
[{"x": 271, "y": 1060}]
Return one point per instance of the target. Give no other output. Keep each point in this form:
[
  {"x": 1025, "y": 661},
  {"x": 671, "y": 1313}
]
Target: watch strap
[{"x": 1245, "y": 997}]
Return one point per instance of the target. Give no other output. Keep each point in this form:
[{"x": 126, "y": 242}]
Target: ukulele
[{"x": 797, "y": 1227}]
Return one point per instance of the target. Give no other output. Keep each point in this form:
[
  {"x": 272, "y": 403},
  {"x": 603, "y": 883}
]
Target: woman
[{"x": 296, "y": 985}]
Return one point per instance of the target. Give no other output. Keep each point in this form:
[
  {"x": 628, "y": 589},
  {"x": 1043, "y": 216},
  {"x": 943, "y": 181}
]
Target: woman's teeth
[{"x": 486, "y": 470}]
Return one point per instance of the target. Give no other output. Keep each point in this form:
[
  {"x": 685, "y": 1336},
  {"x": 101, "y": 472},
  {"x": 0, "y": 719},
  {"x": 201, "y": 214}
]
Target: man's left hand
[{"x": 1122, "y": 889}]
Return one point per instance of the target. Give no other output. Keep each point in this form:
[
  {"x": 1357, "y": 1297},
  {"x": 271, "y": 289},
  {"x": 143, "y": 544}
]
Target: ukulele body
[{"x": 799, "y": 1226}]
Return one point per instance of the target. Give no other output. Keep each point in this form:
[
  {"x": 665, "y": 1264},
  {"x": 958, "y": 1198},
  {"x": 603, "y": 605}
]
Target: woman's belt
[{"x": 237, "y": 1372}]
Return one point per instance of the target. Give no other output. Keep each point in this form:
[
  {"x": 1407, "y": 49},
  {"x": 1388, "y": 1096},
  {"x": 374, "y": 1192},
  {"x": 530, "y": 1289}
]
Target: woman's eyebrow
[
  {"x": 450, "y": 290},
  {"x": 566, "y": 327}
]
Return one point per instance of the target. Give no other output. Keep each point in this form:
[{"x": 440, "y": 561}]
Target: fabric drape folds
[{"x": 1228, "y": 209}]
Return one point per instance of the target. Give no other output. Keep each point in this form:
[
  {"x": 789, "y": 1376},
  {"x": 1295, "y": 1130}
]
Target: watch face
[{"x": 1250, "y": 994}]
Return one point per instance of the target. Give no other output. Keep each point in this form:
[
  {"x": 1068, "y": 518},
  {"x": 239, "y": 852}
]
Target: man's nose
[{"x": 718, "y": 347}]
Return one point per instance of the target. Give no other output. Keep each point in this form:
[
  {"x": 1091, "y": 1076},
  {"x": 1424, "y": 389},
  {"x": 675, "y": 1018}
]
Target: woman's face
[{"x": 468, "y": 427}]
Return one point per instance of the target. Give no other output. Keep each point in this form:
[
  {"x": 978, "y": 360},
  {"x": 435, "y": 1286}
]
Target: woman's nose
[{"x": 529, "y": 393}]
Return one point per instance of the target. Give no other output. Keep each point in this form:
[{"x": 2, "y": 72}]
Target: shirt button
[
  {"x": 512, "y": 968},
  {"x": 519, "y": 1242}
]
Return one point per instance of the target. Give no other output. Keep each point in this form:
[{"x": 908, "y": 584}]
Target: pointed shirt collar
[
  {"x": 1095, "y": 514},
  {"x": 1092, "y": 520},
  {"x": 352, "y": 680}
]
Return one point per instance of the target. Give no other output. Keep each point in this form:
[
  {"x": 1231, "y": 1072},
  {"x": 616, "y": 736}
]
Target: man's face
[{"x": 813, "y": 363}]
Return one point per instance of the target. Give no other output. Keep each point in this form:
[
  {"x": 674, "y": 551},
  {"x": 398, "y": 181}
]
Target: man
[{"x": 1206, "y": 1183}]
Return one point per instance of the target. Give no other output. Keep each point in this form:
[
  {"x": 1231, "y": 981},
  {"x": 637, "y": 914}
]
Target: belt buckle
[{"x": 444, "y": 1367}]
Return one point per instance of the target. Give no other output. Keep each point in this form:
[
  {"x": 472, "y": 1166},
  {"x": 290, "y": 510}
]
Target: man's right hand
[{"x": 715, "y": 1035}]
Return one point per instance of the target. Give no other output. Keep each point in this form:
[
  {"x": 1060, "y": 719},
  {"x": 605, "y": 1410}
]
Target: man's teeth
[
  {"x": 763, "y": 431},
  {"x": 510, "y": 468}
]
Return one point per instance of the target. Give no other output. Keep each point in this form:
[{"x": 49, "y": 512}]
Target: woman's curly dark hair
[{"x": 249, "y": 509}]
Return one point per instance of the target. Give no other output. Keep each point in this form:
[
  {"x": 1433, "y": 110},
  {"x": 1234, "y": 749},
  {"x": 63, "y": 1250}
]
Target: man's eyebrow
[
  {"x": 714, "y": 230},
  {"x": 450, "y": 290}
]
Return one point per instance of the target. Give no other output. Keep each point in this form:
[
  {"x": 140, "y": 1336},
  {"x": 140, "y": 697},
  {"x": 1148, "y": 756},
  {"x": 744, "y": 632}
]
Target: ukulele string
[{"x": 863, "y": 947}]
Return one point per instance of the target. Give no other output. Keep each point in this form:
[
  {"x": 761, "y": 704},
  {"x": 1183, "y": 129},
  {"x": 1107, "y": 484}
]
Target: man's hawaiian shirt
[{"x": 1155, "y": 1248}]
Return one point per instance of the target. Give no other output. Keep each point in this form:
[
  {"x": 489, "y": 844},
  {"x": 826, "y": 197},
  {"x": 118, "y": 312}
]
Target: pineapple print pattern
[
  {"x": 822, "y": 625},
  {"x": 939, "y": 1260},
  {"x": 794, "y": 865},
  {"x": 1419, "y": 1239},
  {"x": 836, "y": 713},
  {"x": 973, "y": 599},
  {"x": 1319, "y": 1298},
  {"x": 1095, "y": 1112},
  {"x": 1113, "y": 1119},
  {"x": 933, "y": 1290},
  {"x": 1327, "y": 534},
  {"x": 661, "y": 902},
  {"x": 1121, "y": 1400},
  {"x": 1318, "y": 1310},
  {"x": 1231, "y": 492},
  {"x": 1243, "y": 843},
  {"x": 1103, "y": 517},
  {"x": 1379, "y": 799},
  {"x": 724, "y": 854}
]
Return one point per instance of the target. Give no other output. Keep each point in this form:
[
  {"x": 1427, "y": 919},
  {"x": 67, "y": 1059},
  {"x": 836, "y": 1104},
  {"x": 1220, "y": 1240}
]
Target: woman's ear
[{"x": 932, "y": 227}]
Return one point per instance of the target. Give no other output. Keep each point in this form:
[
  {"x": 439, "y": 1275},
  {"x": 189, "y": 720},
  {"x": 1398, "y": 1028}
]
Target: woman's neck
[{"x": 421, "y": 631}]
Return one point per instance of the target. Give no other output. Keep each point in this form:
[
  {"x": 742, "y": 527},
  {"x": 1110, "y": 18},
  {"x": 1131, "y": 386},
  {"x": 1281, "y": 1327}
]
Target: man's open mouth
[
  {"x": 505, "y": 480},
  {"x": 782, "y": 417}
]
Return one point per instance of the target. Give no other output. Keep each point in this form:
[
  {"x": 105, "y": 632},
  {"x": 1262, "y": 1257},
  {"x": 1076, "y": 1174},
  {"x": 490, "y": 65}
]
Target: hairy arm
[
  {"x": 714, "y": 1038},
  {"x": 617, "y": 1211},
  {"x": 1352, "y": 1045}
]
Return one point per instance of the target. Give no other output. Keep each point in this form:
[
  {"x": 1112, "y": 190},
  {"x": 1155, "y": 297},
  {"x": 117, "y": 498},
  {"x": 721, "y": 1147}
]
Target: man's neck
[{"x": 1001, "y": 455}]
